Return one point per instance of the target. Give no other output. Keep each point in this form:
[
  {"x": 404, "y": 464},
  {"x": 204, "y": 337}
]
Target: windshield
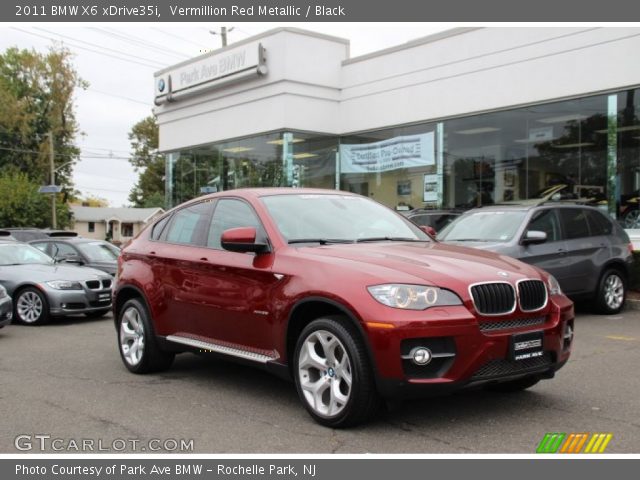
[
  {"x": 483, "y": 226},
  {"x": 326, "y": 218},
  {"x": 98, "y": 251},
  {"x": 21, "y": 254}
]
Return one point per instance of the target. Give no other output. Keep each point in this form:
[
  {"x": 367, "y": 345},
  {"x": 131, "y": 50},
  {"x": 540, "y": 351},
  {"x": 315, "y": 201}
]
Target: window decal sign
[{"x": 392, "y": 154}]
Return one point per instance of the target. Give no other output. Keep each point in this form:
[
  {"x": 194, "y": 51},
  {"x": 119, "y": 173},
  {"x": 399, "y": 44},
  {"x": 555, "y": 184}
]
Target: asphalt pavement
[{"x": 64, "y": 384}]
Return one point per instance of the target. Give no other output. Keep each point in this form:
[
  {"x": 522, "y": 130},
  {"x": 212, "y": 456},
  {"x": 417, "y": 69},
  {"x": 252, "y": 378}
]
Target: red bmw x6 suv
[{"x": 338, "y": 292}]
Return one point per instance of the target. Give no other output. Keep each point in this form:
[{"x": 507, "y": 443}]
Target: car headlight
[
  {"x": 413, "y": 297},
  {"x": 554, "y": 286},
  {"x": 3, "y": 292},
  {"x": 64, "y": 285}
]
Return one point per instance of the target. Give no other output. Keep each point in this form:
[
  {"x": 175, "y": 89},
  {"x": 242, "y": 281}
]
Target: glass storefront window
[
  {"x": 554, "y": 151},
  {"x": 526, "y": 154},
  {"x": 628, "y": 175},
  {"x": 270, "y": 160},
  {"x": 396, "y": 167}
]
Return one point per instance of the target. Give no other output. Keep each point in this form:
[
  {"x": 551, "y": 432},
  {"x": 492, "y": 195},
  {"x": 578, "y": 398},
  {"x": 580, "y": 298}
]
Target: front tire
[
  {"x": 333, "y": 374},
  {"x": 137, "y": 343},
  {"x": 612, "y": 292},
  {"x": 31, "y": 307}
]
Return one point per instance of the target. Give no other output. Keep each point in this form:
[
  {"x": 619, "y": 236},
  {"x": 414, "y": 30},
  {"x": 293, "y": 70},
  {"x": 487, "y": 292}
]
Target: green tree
[
  {"x": 21, "y": 205},
  {"x": 36, "y": 98},
  {"x": 148, "y": 163}
]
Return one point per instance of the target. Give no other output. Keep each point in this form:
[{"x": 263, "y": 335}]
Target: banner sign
[{"x": 392, "y": 154}]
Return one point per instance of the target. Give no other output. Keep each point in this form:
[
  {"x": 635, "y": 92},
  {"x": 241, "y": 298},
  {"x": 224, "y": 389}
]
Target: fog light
[
  {"x": 568, "y": 334},
  {"x": 421, "y": 355}
]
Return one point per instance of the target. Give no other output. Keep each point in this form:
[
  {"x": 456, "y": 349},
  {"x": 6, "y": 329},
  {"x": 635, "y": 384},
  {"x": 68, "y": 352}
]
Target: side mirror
[
  {"x": 75, "y": 259},
  {"x": 429, "y": 231},
  {"x": 242, "y": 240},
  {"x": 533, "y": 237}
]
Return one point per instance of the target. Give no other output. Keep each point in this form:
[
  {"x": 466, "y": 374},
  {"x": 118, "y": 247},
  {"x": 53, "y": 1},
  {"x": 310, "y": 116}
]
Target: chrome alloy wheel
[
  {"x": 613, "y": 291},
  {"x": 632, "y": 218},
  {"x": 132, "y": 336},
  {"x": 29, "y": 307},
  {"x": 325, "y": 373}
]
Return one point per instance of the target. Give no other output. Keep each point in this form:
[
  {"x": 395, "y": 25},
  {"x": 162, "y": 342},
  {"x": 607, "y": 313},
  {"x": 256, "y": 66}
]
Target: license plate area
[
  {"x": 524, "y": 346},
  {"x": 104, "y": 297}
]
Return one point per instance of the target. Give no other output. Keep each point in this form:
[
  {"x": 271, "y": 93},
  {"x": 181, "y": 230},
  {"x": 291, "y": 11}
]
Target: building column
[{"x": 612, "y": 155}]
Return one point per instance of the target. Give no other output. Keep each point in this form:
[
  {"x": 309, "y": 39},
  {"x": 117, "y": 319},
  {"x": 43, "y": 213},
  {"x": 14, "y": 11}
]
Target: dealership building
[{"x": 462, "y": 118}]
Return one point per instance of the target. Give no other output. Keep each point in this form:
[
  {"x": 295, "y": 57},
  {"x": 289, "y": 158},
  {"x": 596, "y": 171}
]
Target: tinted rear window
[
  {"x": 574, "y": 223},
  {"x": 598, "y": 223}
]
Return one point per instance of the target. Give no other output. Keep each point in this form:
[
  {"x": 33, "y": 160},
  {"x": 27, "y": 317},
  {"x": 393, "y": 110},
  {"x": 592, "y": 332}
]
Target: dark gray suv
[{"x": 589, "y": 254}]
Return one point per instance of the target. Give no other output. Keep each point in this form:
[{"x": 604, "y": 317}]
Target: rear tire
[
  {"x": 137, "y": 342},
  {"x": 30, "y": 307},
  {"x": 333, "y": 374},
  {"x": 514, "y": 385},
  {"x": 612, "y": 292}
]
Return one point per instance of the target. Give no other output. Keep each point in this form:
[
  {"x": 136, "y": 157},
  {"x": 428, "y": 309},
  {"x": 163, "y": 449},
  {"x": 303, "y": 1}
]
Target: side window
[
  {"x": 158, "y": 228},
  {"x": 187, "y": 225},
  {"x": 574, "y": 223},
  {"x": 422, "y": 220},
  {"x": 546, "y": 221},
  {"x": 43, "y": 247},
  {"x": 63, "y": 250},
  {"x": 598, "y": 223},
  {"x": 230, "y": 214}
]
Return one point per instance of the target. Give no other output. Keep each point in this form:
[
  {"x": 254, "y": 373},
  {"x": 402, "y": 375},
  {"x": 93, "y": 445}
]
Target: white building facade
[{"x": 463, "y": 118}]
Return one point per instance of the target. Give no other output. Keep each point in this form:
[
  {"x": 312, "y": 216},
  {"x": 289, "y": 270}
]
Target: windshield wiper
[
  {"x": 469, "y": 240},
  {"x": 321, "y": 241},
  {"x": 389, "y": 239}
]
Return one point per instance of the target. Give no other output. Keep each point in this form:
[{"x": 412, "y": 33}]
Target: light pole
[
  {"x": 53, "y": 189},
  {"x": 223, "y": 34}
]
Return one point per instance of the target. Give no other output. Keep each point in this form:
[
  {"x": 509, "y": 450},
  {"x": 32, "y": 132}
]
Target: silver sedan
[{"x": 41, "y": 288}]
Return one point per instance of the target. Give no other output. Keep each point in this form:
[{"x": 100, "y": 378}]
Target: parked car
[
  {"x": 6, "y": 235},
  {"x": 6, "y": 307},
  {"x": 81, "y": 251},
  {"x": 589, "y": 254},
  {"x": 30, "y": 234},
  {"x": 345, "y": 296},
  {"x": 41, "y": 288},
  {"x": 436, "y": 219}
]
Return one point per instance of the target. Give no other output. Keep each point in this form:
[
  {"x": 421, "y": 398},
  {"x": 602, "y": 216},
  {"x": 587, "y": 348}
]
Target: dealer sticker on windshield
[{"x": 526, "y": 345}]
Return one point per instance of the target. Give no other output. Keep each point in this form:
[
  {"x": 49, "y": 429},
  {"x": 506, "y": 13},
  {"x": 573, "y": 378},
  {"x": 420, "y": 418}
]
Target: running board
[{"x": 213, "y": 347}]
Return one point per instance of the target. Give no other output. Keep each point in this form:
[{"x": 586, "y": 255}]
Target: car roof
[
  {"x": 524, "y": 208},
  {"x": 67, "y": 240}
]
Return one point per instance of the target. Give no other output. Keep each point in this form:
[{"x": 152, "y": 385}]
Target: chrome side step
[{"x": 212, "y": 347}]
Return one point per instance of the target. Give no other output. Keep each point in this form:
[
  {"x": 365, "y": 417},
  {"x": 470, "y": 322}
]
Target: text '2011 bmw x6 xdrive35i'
[{"x": 338, "y": 292}]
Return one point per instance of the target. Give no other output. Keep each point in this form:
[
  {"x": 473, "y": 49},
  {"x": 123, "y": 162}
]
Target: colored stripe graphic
[
  {"x": 551, "y": 442},
  {"x": 574, "y": 442},
  {"x": 598, "y": 443}
]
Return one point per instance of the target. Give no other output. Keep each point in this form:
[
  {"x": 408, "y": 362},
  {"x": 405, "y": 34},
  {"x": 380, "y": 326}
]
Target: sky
[{"x": 119, "y": 60}]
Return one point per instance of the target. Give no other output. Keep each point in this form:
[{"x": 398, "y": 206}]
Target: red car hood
[{"x": 439, "y": 264}]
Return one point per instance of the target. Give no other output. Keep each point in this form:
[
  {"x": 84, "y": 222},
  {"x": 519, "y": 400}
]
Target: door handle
[
  {"x": 562, "y": 251},
  {"x": 204, "y": 259},
  {"x": 152, "y": 253}
]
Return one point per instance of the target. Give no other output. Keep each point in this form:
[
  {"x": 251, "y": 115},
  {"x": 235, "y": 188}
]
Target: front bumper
[
  {"x": 6, "y": 311},
  {"x": 70, "y": 302},
  {"x": 479, "y": 356}
]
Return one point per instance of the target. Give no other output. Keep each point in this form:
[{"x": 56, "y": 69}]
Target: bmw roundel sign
[{"x": 161, "y": 85}]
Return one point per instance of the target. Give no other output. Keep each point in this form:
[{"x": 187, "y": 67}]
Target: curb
[{"x": 632, "y": 304}]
